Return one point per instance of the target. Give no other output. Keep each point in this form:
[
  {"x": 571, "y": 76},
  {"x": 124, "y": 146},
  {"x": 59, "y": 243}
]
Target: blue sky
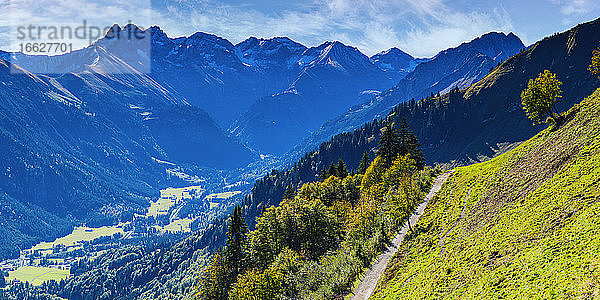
[{"x": 420, "y": 27}]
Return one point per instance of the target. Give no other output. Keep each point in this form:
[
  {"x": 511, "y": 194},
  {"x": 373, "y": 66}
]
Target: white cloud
[
  {"x": 449, "y": 28},
  {"x": 420, "y": 27},
  {"x": 572, "y": 7}
]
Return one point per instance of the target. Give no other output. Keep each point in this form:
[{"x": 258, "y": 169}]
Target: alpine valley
[{"x": 192, "y": 167}]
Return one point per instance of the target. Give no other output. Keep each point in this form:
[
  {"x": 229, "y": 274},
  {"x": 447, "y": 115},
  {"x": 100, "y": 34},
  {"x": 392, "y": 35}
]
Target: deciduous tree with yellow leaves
[{"x": 540, "y": 97}]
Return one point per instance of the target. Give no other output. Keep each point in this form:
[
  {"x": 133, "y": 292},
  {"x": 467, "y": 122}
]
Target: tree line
[{"x": 318, "y": 239}]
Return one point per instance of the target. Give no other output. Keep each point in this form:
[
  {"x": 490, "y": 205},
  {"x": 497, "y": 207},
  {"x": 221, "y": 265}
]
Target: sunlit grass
[
  {"x": 37, "y": 275},
  {"x": 179, "y": 225},
  {"x": 80, "y": 234},
  {"x": 530, "y": 229}
]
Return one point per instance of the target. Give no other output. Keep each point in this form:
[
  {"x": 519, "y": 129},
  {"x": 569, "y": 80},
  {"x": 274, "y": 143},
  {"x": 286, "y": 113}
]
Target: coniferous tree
[
  {"x": 403, "y": 135},
  {"x": 415, "y": 151},
  {"x": 228, "y": 263},
  {"x": 410, "y": 144},
  {"x": 342, "y": 171},
  {"x": 289, "y": 192},
  {"x": 216, "y": 280},
  {"x": 412, "y": 103},
  {"x": 323, "y": 174},
  {"x": 235, "y": 252},
  {"x": 263, "y": 208},
  {"x": 389, "y": 144},
  {"x": 365, "y": 161},
  {"x": 332, "y": 170}
]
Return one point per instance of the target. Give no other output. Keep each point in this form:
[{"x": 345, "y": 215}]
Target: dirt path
[{"x": 368, "y": 283}]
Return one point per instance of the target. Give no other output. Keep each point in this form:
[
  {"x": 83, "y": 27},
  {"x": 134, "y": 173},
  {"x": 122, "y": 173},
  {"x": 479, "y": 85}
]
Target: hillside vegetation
[
  {"x": 523, "y": 225},
  {"x": 83, "y": 148},
  {"x": 460, "y": 127},
  {"x": 318, "y": 240}
]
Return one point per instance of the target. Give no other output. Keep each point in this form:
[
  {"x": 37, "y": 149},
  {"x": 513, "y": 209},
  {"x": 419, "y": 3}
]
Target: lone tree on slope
[{"x": 540, "y": 97}]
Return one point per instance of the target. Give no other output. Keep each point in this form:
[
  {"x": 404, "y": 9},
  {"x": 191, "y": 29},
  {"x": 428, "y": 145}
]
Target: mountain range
[
  {"x": 273, "y": 93},
  {"x": 459, "y": 127},
  {"x": 462, "y": 125},
  {"x": 92, "y": 145},
  {"x": 342, "y": 77},
  {"x": 90, "y": 136},
  {"x": 102, "y": 126},
  {"x": 330, "y": 81},
  {"x": 457, "y": 67},
  {"x": 246, "y": 87}
]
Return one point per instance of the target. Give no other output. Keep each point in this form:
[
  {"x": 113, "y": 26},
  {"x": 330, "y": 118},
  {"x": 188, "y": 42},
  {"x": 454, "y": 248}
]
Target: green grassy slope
[{"x": 523, "y": 225}]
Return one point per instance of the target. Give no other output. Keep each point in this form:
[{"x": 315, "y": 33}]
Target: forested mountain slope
[
  {"x": 331, "y": 229},
  {"x": 89, "y": 146},
  {"x": 461, "y": 126},
  {"x": 457, "y": 67},
  {"x": 155, "y": 269},
  {"x": 523, "y": 225},
  {"x": 48, "y": 167}
]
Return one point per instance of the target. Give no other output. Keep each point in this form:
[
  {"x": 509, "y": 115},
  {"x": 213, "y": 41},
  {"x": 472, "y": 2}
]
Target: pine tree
[
  {"x": 235, "y": 252},
  {"x": 289, "y": 192},
  {"x": 263, "y": 208},
  {"x": 342, "y": 171},
  {"x": 365, "y": 161},
  {"x": 412, "y": 103},
  {"x": 404, "y": 135},
  {"x": 323, "y": 174},
  {"x": 216, "y": 279},
  {"x": 410, "y": 144},
  {"x": 332, "y": 170},
  {"x": 389, "y": 144},
  {"x": 414, "y": 149}
]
